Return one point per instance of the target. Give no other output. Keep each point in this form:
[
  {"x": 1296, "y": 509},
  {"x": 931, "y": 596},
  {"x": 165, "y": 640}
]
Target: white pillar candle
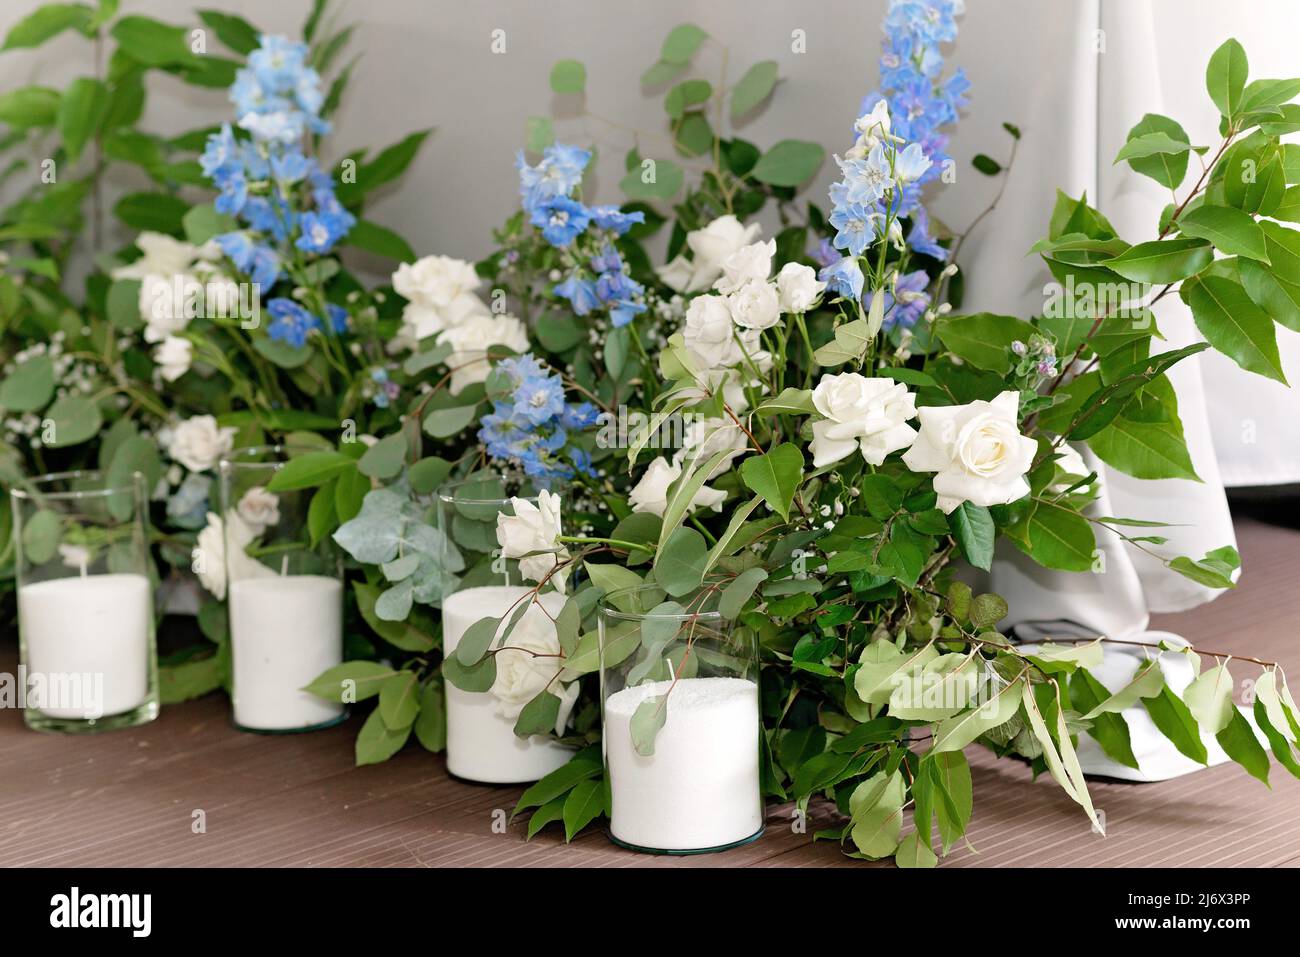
[
  {"x": 700, "y": 788},
  {"x": 481, "y": 741},
  {"x": 284, "y": 631},
  {"x": 91, "y": 626}
]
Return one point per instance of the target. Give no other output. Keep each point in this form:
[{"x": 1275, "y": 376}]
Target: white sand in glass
[
  {"x": 284, "y": 631},
  {"x": 700, "y": 788},
  {"x": 481, "y": 743},
  {"x": 89, "y": 625}
]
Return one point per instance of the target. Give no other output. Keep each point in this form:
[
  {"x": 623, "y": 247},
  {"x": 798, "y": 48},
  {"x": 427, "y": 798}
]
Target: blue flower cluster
[
  {"x": 598, "y": 278},
  {"x": 532, "y": 428},
  {"x": 921, "y": 102},
  {"x": 291, "y": 323},
  {"x": 882, "y": 179},
  {"x": 281, "y": 195}
]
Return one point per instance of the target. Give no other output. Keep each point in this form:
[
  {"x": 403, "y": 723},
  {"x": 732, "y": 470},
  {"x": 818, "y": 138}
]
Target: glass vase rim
[
  {"x": 441, "y": 492},
  {"x": 232, "y": 458},
  {"x": 609, "y": 611},
  {"x": 132, "y": 483}
]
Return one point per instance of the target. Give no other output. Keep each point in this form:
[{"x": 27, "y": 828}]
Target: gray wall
[{"x": 429, "y": 63}]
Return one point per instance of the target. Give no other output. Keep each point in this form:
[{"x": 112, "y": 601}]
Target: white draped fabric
[{"x": 1096, "y": 66}]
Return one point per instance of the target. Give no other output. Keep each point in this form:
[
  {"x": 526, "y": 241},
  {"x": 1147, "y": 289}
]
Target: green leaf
[
  {"x": 443, "y": 423},
  {"x": 29, "y": 106},
  {"x": 428, "y": 474},
  {"x": 1167, "y": 169},
  {"x": 775, "y": 476},
  {"x": 583, "y": 765},
  {"x": 1108, "y": 729},
  {"x": 376, "y": 742},
  {"x": 475, "y": 679},
  {"x": 649, "y": 717},
  {"x": 48, "y": 21},
  {"x": 754, "y": 87},
  {"x": 653, "y": 179},
  {"x": 1059, "y": 537},
  {"x": 876, "y": 809},
  {"x": 41, "y": 536},
  {"x": 661, "y": 73},
  {"x": 1148, "y": 681},
  {"x": 81, "y": 112},
  {"x": 157, "y": 212},
  {"x": 789, "y": 163},
  {"x": 385, "y": 458},
  {"x": 75, "y": 419},
  {"x": 681, "y": 43},
  {"x": 1234, "y": 325},
  {"x": 953, "y": 734},
  {"x": 384, "y": 168},
  {"x": 984, "y": 339},
  {"x": 1239, "y": 742},
  {"x": 1233, "y": 232},
  {"x": 987, "y": 610},
  {"x": 568, "y": 76},
  {"x": 538, "y": 716},
  {"x": 738, "y": 592},
  {"x": 309, "y": 470},
  {"x": 1145, "y": 450},
  {"x": 1177, "y": 724},
  {"x": 235, "y": 32},
  {"x": 399, "y": 700},
  {"x": 1163, "y": 260},
  {"x": 431, "y": 725},
  {"x": 986, "y": 164},
  {"x": 912, "y": 852},
  {"x": 849, "y": 345},
  {"x": 154, "y": 43},
  {"x": 203, "y": 222},
  {"x": 373, "y": 238},
  {"x": 1152, "y": 144},
  {"x": 679, "y": 565},
  {"x": 685, "y": 95},
  {"x": 1225, "y": 77},
  {"x": 1276, "y": 287},
  {"x": 476, "y": 641},
  {"x": 351, "y": 681},
  {"x": 1214, "y": 570},
  {"x": 29, "y": 386},
  {"x": 1209, "y": 699},
  {"x": 585, "y": 803},
  {"x": 972, "y": 527}
]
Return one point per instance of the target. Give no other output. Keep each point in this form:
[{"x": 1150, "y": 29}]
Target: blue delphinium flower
[
  {"x": 580, "y": 292},
  {"x": 266, "y": 178},
  {"x": 844, "y": 278},
  {"x": 290, "y": 322},
  {"x": 909, "y": 300},
  {"x": 614, "y": 219},
  {"x": 531, "y": 427},
  {"x": 856, "y": 227},
  {"x": 385, "y": 389},
  {"x": 558, "y": 174},
  {"x": 560, "y": 219}
]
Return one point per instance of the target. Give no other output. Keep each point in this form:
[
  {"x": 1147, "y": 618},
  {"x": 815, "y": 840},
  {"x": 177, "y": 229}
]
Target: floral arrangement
[{"x": 802, "y": 432}]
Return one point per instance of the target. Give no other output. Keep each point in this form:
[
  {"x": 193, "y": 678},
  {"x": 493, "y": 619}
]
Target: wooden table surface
[{"x": 129, "y": 798}]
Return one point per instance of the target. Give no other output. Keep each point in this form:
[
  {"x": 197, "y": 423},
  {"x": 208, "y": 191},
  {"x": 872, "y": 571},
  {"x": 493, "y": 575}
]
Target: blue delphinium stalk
[
  {"x": 596, "y": 276},
  {"x": 532, "y": 428},
  {"x": 284, "y": 199}
]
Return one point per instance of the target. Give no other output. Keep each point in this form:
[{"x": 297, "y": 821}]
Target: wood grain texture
[{"x": 128, "y": 798}]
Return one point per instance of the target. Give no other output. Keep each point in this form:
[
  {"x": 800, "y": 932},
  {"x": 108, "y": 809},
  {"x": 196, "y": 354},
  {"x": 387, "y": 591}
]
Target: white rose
[
  {"x": 198, "y": 443},
  {"x": 677, "y": 273},
  {"x": 870, "y": 414},
  {"x": 259, "y": 509},
  {"x": 710, "y": 247},
  {"x": 162, "y": 255},
  {"x": 799, "y": 287},
  {"x": 752, "y": 263},
  {"x": 173, "y": 357},
  {"x": 211, "y": 564},
  {"x": 436, "y": 281},
  {"x": 651, "y": 493},
  {"x": 470, "y": 342},
  {"x": 755, "y": 306},
  {"x": 532, "y": 535},
  {"x": 976, "y": 450},
  {"x": 163, "y": 304},
  {"x": 529, "y": 664},
  {"x": 709, "y": 332}
]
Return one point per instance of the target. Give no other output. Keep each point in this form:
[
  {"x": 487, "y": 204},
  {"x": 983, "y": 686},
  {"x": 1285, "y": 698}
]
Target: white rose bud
[
  {"x": 532, "y": 535},
  {"x": 198, "y": 444},
  {"x": 755, "y": 305},
  {"x": 752, "y": 263},
  {"x": 651, "y": 493},
  {"x": 799, "y": 287},
  {"x": 173, "y": 357},
  {"x": 259, "y": 509},
  {"x": 708, "y": 332}
]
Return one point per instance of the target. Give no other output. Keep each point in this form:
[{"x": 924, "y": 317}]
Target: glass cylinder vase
[
  {"x": 85, "y": 602},
  {"x": 478, "y": 583},
  {"x": 681, "y": 728},
  {"x": 284, "y": 597}
]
